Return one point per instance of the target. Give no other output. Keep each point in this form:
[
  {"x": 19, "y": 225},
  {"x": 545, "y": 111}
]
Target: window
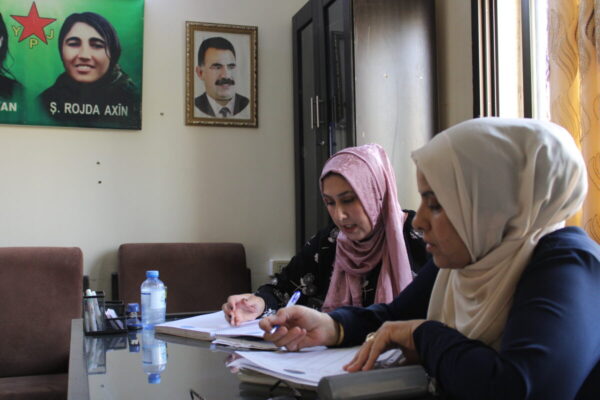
[
  {"x": 539, "y": 59},
  {"x": 510, "y": 53}
]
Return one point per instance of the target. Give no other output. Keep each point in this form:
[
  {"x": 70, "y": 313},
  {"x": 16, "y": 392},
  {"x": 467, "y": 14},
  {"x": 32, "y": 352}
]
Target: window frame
[{"x": 484, "y": 33}]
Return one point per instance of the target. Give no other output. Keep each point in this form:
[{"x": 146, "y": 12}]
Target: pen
[{"x": 293, "y": 300}]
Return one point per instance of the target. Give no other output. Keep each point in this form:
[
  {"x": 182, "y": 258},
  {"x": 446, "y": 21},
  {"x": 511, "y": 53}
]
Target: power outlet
[{"x": 277, "y": 265}]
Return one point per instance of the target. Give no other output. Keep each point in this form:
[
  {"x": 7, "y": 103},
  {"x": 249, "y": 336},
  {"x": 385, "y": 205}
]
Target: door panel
[{"x": 338, "y": 50}]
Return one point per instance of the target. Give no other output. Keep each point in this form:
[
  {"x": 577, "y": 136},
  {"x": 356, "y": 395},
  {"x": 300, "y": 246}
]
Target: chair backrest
[
  {"x": 41, "y": 291},
  {"x": 198, "y": 276}
]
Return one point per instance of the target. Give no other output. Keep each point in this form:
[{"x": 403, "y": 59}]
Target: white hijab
[{"x": 504, "y": 184}]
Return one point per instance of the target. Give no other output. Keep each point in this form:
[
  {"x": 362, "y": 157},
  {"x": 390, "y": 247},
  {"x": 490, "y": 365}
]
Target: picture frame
[
  {"x": 44, "y": 85},
  {"x": 221, "y": 75}
]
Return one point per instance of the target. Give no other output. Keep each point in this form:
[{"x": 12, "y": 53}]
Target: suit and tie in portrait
[
  {"x": 216, "y": 68},
  {"x": 202, "y": 102}
]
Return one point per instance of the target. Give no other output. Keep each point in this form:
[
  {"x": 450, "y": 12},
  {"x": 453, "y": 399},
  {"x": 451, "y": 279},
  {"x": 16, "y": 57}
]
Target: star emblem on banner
[{"x": 33, "y": 24}]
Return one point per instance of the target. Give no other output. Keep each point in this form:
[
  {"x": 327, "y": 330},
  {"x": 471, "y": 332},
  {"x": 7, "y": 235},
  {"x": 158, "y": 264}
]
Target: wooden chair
[
  {"x": 41, "y": 293},
  {"x": 198, "y": 276}
]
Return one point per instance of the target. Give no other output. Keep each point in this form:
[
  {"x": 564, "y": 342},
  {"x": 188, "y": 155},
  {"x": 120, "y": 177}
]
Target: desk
[{"x": 103, "y": 367}]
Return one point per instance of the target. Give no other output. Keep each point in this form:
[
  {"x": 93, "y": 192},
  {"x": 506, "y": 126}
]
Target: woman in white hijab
[{"x": 513, "y": 311}]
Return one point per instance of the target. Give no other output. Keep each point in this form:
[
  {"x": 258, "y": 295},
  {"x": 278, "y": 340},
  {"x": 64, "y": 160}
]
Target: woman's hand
[
  {"x": 389, "y": 335},
  {"x": 243, "y": 307},
  {"x": 299, "y": 327}
]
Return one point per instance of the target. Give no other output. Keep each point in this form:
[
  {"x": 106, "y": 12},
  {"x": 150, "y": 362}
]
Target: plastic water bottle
[
  {"x": 154, "y": 302},
  {"x": 133, "y": 321},
  {"x": 154, "y": 356}
]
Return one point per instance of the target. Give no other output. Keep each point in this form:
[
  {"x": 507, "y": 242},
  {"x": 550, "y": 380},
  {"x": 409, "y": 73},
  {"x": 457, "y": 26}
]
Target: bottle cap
[
  {"x": 152, "y": 274},
  {"x": 133, "y": 307},
  {"x": 154, "y": 378}
]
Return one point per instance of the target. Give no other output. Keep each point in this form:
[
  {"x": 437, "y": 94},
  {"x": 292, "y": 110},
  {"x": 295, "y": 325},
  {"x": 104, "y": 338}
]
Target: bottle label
[{"x": 157, "y": 299}]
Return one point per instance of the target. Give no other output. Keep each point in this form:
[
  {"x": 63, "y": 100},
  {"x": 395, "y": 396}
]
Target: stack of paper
[
  {"x": 246, "y": 336},
  {"x": 306, "y": 367},
  {"x": 202, "y": 327},
  {"x": 214, "y": 326}
]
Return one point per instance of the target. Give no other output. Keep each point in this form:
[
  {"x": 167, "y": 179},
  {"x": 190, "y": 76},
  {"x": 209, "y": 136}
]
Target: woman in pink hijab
[
  {"x": 371, "y": 237},
  {"x": 368, "y": 255}
]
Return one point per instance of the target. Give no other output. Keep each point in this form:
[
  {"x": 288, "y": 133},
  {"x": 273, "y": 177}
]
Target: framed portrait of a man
[{"x": 221, "y": 74}]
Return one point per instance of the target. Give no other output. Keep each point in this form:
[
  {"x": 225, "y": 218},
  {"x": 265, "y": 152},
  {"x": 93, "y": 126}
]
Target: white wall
[
  {"x": 168, "y": 182},
  {"x": 171, "y": 182}
]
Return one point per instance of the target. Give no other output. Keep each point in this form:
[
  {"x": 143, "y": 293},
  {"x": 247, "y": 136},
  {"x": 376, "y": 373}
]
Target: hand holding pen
[
  {"x": 297, "y": 327},
  {"x": 292, "y": 301},
  {"x": 240, "y": 308},
  {"x": 243, "y": 307}
]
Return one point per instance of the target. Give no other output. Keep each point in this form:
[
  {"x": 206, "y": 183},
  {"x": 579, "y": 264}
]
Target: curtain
[{"x": 574, "y": 85}]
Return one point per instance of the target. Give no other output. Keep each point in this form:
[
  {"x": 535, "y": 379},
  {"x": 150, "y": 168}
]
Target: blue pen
[{"x": 293, "y": 300}]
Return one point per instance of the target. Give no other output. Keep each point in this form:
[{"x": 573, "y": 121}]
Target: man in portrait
[{"x": 217, "y": 69}]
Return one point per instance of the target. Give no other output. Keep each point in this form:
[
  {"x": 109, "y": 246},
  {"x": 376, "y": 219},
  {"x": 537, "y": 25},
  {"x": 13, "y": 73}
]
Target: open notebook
[{"x": 213, "y": 326}]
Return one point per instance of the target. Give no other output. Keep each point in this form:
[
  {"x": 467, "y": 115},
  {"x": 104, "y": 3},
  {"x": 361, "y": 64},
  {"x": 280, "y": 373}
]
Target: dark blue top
[{"x": 551, "y": 343}]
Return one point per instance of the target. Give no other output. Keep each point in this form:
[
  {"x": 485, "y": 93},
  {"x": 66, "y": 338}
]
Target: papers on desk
[
  {"x": 249, "y": 328},
  {"x": 202, "y": 327},
  {"x": 214, "y": 326},
  {"x": 307, "y": 366},
  {"x": 244, "y": 342}
]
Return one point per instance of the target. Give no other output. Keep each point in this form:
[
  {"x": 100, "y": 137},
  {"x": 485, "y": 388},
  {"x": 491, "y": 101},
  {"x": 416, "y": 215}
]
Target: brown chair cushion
[
  {"x": 198, "y": 276},
  {"x": 41, "y": 293},
  {"x": 34, "y": 387}
]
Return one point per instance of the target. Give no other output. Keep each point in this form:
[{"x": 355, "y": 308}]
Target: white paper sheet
[
  {"x": 249, "y": 328},
  {"x": 206, "y": 326},
  {"x": 307, "y": 366}
]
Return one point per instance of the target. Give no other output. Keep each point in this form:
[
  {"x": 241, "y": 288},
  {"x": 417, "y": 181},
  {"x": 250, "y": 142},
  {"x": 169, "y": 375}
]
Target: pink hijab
[{"x": 369, "y": 171}]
